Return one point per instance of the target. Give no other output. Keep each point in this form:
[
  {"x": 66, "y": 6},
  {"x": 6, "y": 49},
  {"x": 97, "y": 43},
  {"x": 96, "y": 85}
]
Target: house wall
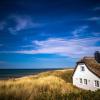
[{"x": 87, "y": 74}]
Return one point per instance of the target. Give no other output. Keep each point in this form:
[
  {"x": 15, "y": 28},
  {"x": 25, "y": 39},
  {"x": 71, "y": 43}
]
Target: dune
[{"x": 51, "y": 85}]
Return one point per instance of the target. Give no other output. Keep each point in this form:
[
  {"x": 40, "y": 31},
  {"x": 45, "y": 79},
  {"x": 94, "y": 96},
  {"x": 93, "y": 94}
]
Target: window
[
  {"x": 96, "y": 83},
  {"x": 80, "y": 80},
  {"x": 85, "y": 81},
  {"x": 82, "y": 68}
]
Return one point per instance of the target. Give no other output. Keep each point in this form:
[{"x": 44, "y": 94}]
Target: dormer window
[{"x": 82, "y": 68}]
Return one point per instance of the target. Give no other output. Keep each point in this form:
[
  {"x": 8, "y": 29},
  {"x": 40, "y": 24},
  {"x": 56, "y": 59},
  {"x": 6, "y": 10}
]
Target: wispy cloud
[
  {"x": 1, "y": 45},
  {"x": 73, "y": 48},
  {"x": 3, "y": 62},
  {"x": 2, "y": 25},
  {"x": 22, "y": 22},
  {"x": 93, "y": 19},
  {"x": 96, "y": 8},
  {"x": 96, "y": 33},
  {"x": 79, "y": 30}
]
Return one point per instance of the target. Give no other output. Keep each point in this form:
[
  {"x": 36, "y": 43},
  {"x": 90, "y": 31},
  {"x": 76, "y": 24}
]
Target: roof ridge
[{"x": 87, "y": 57}]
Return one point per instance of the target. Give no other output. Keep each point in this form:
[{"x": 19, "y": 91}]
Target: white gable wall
[{"x": 87, "y": 74}]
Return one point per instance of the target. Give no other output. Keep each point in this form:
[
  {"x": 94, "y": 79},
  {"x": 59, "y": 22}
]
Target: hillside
[{"x": 51, "y": 85}]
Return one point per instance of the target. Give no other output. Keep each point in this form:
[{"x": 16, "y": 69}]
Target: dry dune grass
[{"x": 51, "y": 85}]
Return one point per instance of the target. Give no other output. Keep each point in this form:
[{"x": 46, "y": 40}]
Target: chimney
[{"x": 97, "y": 56}]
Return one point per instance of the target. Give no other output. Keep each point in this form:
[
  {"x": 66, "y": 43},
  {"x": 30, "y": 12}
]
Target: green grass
[{"x": 51, "y": 85}]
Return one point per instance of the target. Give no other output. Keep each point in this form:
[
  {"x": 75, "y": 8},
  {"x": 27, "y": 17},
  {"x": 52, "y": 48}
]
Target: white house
[{"x": 87, "y": 74}]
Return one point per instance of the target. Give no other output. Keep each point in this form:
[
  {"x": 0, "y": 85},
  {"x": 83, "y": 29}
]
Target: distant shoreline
[{"x": 7, "y": 74}]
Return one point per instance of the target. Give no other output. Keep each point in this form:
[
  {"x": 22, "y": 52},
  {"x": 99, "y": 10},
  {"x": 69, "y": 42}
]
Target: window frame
[
  {"x": 81, "y": 81},
  {"x": 85, "y": 81},
  {"x": 96, "y": 83}
]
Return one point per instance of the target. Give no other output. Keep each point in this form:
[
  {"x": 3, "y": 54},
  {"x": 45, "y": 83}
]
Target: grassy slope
[{"x": 51, "y": 85}]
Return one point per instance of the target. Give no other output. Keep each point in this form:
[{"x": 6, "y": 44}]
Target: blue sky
[{"x": 48, "y": 33}]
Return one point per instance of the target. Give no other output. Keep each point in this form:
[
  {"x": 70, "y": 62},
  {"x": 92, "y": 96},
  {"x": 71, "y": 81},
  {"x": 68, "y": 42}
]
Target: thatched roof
[{"x": 91, "y": 64}]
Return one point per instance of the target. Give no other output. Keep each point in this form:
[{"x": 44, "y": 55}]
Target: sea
[{"x": 16, "y": 73}]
